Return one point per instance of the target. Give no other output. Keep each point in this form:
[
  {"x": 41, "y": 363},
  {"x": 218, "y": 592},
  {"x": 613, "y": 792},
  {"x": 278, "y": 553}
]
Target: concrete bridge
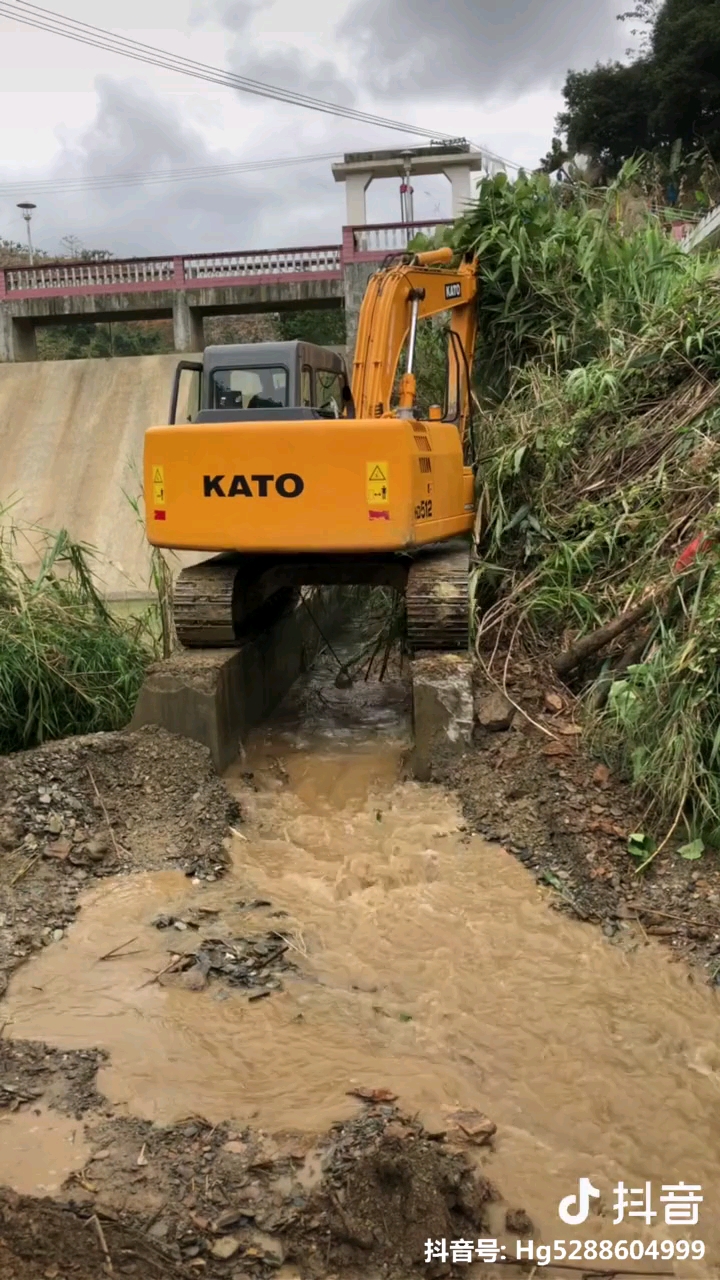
[{"x": 189, "y": 287}]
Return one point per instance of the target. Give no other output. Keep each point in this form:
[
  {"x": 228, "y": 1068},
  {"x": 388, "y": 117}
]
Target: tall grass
[
  {"x": 67, "y": 665},
  {"x": 598, "y": 450}
]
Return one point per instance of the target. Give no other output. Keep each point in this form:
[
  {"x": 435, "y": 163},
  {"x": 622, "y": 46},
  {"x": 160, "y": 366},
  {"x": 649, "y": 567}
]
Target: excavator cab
[
  {"x": 296, "y": 478},
  {"x": 247, "y": 381}
]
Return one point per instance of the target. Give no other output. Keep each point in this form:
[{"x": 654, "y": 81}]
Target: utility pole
[{"x": 27, "y": 209}]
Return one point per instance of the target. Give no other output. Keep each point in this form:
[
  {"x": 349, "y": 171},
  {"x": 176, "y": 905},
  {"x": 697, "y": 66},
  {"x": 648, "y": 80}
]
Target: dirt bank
[
  {"x": 195, "y": 1199},
  {"x": 536, "y": 787},
  {"x": 89, "y": 807}
]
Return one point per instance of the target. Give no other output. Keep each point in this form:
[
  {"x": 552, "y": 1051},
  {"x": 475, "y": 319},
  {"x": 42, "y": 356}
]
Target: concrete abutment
[{"x": 216, "y": 696}]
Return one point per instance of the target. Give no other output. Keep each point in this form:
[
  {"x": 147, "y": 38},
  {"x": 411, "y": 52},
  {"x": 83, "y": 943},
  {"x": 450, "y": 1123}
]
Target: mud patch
[
  {"x": 193, "y": 1198},
  {"x": 93, "y": 806},
  {"x": 388, "y": 1188},
  {"x": 568, "y": 818},
  {"x": 66, "y": 1081},
  {"x": 43, "y": 1240}
]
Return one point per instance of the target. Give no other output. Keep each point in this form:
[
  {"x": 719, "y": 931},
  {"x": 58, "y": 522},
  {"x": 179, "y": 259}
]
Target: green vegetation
[
  {"x": 67, "y": 665},
  {"x": 598, "y": 375},
  {"x": 668, "y": 93},
  {"x": 80, "y": 341},
  {"x": 326, "y": 326}
]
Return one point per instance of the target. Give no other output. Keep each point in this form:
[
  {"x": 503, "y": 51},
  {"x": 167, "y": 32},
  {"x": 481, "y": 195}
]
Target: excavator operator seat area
[
  {"x": 237, "y": 381},
  {"x": 257, "y": 387}
]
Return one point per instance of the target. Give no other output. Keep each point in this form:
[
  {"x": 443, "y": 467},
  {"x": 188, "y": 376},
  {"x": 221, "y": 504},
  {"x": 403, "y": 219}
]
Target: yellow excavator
[{"x": 298, "y": 478}]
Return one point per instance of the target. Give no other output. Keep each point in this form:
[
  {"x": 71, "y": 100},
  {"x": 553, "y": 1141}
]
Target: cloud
[
  {"x": 286, "y": 68},
  {"x": 480, "y": 48},
  {"x": 258, "y": 50},
  {"x": 134, "y": 130}
]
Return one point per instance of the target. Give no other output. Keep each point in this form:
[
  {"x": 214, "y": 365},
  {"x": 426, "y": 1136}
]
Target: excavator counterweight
[{"x": 292, "y": 476}]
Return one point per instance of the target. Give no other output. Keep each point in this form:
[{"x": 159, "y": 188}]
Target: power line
[
  {"x": 99, "y": 182},
  {"x": 33, "y": 15}
]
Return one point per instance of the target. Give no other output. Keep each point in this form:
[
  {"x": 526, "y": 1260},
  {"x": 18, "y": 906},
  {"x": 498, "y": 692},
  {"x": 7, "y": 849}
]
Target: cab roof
[{"x": 240, "y": 354}]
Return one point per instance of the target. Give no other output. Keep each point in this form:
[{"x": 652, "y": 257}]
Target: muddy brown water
[{"x": 429, "y": 962}]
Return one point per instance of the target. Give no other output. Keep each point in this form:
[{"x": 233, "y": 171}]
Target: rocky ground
[
  {"x": 93, "y": 806},
  {"x": 530, "y": 782},
  {"x": 192, "y": 1199}
]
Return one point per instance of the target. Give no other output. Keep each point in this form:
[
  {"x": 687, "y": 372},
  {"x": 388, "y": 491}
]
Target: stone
[
  {"x": 97, "y": 848},
  {"x": 476, "y": 1127},
  {"x": 433, "y": 1124},
  {"x": 518, "y": 1221},
  {"x": 266, "y": 1249},
  {"x": 58, "y": 849},
  {"x": 495, "y": 713},
  {"x": 226, "y": 1247},
  {"x": 58, "y": 935}
]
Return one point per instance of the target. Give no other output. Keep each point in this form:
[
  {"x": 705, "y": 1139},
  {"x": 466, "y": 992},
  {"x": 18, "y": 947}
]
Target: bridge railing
[
  {"x": 266, "y": 262},
  {"x": 377, "y": 239},
  {"x": 145, "y": 275},
  {"x": 89, "y": 275}
]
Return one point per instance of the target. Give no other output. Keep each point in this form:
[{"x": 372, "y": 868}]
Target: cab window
[
  {"x": 306, "y": 397},
  {"x": 257, "y": 387},
  {"x": 328, "y": 391}
]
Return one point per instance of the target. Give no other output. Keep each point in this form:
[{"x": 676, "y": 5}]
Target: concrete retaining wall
[
  {"x": 443, "y": 711},
  {"x": 71, "y": 446},
  {"x": 216, "y": 696}
]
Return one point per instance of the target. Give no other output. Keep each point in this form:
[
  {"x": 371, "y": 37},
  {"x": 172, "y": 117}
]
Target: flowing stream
[{"x": 429, "y": 962}]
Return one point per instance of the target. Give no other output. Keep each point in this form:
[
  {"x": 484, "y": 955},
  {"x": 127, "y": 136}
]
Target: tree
[
  {"x": 645, "y": 13},
  {"x": 556, "y": 157},
  {"x": 686, "y": 74},
  {"x": 326, "y": 327},
  {"x": 607, "y": 112},
  {"x": 669, "y": 91}
]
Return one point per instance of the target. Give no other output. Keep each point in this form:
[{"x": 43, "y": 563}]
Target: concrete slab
[
  {"x": 216, "y": 696},
  {"x": 442, "y": 699}
]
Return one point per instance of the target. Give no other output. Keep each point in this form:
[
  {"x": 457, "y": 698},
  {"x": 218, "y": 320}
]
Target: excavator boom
[{"x": 418, "y": 290}]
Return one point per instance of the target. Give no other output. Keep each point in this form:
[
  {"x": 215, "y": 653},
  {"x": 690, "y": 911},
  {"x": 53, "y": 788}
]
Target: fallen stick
[
  {"x": 628, "y": 658},
  {"x": 105, "y": 815},
  {"x": 603, "y": 1274},
  {"x": 160, "y": 972},
  {"x": 121, "y": 945},
  {"x": 597, "y": 639},
  {"x": 23, "y": 870},
  {"x": 666, "y": 915},
  {"x": 103, "y": 1243}
]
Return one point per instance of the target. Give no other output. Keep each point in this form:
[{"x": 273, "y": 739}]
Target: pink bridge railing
[{"x": 190, "y": 271}]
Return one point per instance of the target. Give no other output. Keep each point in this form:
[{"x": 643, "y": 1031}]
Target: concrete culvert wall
[{"x": 71, "y": 440}]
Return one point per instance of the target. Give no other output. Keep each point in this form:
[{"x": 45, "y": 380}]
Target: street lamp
[{"x": 27, "y": 209}]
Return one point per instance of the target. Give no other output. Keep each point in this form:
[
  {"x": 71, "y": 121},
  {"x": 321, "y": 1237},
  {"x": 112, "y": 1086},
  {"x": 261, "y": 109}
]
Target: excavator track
[
  {"x": 203, "y": 605},
  {"x": 215, "y": 602},
  {"x": 438, "y": 600}
]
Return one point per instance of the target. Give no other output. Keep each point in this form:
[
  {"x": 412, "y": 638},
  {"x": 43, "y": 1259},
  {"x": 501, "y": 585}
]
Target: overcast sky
[{"x": 488, "y": 70}]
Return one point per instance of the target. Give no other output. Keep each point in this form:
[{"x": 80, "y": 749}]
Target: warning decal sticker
[
  {"x": 378, "y": 484},
  {"x": 158, "y": 484}
]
